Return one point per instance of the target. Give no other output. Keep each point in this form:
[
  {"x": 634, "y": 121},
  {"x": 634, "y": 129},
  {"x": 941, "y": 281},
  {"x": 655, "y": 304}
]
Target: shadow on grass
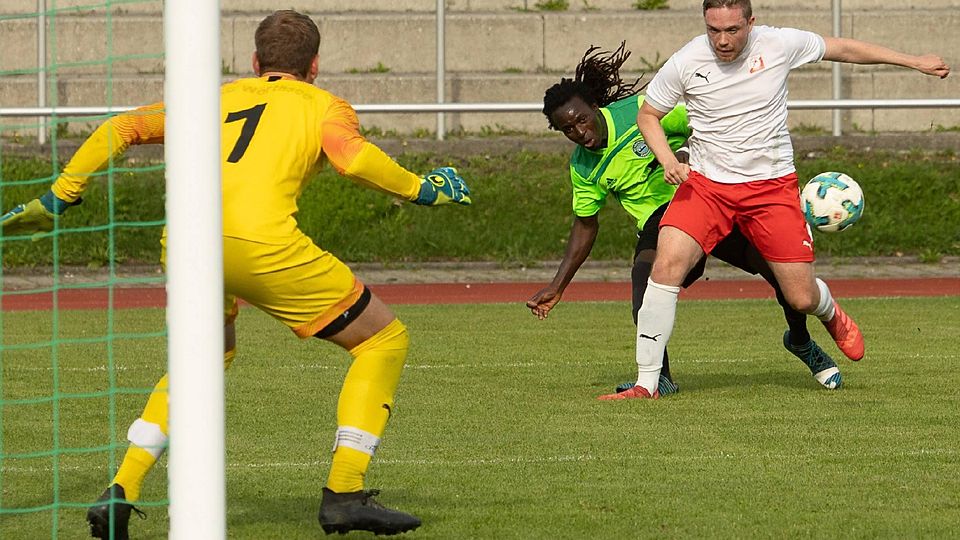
[
  {"x": 798, "y": 378},
  {"x": 267, "y": 509},
  {"x": 277, "y": 511}
]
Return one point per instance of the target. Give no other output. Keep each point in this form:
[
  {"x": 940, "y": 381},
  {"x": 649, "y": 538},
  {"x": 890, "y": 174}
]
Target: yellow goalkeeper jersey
[{"x": 275, "y": 133}]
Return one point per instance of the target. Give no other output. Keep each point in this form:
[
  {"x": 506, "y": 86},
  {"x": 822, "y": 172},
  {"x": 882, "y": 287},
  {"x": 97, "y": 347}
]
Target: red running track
[{"x": 480, "y": 293}]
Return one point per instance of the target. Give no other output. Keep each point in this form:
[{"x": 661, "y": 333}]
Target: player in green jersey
[{"x": 597, "y": 110}]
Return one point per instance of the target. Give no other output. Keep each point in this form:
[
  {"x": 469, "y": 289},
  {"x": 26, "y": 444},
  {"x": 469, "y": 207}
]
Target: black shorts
[
  {"x": 647, "y": 236},
  {"x": 732, "y": 250}
]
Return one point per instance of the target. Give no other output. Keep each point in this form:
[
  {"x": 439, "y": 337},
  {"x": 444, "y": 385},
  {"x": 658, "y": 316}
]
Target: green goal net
[{"x": 81, "y": 308}]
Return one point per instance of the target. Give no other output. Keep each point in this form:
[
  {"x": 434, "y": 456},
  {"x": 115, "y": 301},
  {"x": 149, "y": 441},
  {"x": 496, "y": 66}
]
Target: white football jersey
[{"x": 738, "y": 110}]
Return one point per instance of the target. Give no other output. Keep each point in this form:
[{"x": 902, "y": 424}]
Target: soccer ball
[{"x": 831, "y": 202}]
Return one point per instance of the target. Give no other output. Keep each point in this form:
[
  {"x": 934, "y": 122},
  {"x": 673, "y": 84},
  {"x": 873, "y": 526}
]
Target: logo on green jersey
[{"x": 640, "y": 149}]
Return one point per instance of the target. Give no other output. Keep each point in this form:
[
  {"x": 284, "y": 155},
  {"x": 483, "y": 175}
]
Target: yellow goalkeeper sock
[
  {"x": 137, "y": 462},
  {"x": 148, "y": 437},
  {"x": 228, "y": 358},
  {"x": 157, "y": 407},
  {"x": 365, "y": 404}
]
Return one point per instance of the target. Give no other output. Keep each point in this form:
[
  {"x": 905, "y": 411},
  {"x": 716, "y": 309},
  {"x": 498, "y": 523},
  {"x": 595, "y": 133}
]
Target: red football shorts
[{"x": 767, "y": 211}]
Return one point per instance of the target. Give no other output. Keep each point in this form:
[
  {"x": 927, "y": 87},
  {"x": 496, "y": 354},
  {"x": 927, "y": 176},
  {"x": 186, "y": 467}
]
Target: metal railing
[{"x": 800, "y": 104}]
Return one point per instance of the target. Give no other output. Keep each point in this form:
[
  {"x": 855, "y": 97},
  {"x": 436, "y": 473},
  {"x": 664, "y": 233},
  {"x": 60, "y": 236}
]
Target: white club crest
[{"x": 640, "y": 149}]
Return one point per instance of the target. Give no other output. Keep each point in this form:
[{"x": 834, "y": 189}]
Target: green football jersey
[{"x": 626, "y": 168}]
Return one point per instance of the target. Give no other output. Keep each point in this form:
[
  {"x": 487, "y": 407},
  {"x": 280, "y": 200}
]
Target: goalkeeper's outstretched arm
[
  {"x": 110, "y": 140},
  {"x": 358, "y": 159}
]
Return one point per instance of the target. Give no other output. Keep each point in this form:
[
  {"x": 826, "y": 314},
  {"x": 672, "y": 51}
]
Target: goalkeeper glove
[
  {"x": 443, "y": 186},
  {"x": 35, "y": 216}
]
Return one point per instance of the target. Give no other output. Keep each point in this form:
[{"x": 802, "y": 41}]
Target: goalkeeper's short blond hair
[{"x": 287, "y": 41}]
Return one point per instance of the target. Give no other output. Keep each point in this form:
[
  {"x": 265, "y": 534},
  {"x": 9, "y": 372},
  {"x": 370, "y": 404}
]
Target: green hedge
[{"x": 521, "y": 212}]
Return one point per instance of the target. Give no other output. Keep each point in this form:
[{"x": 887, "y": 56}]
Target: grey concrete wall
[
  {"x": 405, "y": 43},
  {"x": 494, "y": 54}
]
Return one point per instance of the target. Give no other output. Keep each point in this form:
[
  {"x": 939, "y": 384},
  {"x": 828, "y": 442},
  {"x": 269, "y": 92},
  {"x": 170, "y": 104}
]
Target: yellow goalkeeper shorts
[{"x": 297, "y": 283}]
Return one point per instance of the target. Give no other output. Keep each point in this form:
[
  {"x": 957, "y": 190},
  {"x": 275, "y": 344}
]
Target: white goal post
[{"x": 197, "y": 486}]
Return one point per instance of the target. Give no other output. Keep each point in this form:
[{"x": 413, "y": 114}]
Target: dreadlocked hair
[{"x": 597, "y": 81}]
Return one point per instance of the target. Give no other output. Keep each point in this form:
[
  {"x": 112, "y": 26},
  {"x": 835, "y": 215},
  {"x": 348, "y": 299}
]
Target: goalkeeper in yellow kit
[{"x": 277, "y": 130}]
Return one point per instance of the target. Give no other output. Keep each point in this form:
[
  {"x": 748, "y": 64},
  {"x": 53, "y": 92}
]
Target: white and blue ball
[{"x": 831, "y": 202}]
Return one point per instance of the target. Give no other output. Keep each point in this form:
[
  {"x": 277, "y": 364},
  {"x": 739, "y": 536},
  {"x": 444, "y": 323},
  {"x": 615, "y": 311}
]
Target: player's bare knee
[
  {"x": 360, "y": 322},
  {"x": 669, "y": 271},
  {"x": 802, "y": 301}
]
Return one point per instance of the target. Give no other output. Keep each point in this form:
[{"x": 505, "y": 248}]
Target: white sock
[
  {"x": 654, "y": 326},
  {"x": 824, "y": 310}
]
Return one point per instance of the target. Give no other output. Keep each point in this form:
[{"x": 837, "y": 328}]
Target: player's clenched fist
[
  {"x": 676, "y": 174},
  {"x": 443, "y": 186}
]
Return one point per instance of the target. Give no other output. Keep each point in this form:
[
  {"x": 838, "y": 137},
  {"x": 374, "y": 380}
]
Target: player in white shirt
[{"x": 734, "y": 82}]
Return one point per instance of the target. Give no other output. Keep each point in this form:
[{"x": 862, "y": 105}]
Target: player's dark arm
[
  {"x": 583, "y": 233},
  {"x": 853, "y": 51}
]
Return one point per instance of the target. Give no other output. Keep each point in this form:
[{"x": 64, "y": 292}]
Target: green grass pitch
[{"x": 497, "y": 432}]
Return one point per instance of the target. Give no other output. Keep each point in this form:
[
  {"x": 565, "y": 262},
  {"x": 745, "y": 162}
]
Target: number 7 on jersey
[{"x": 250, "y": 117}]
